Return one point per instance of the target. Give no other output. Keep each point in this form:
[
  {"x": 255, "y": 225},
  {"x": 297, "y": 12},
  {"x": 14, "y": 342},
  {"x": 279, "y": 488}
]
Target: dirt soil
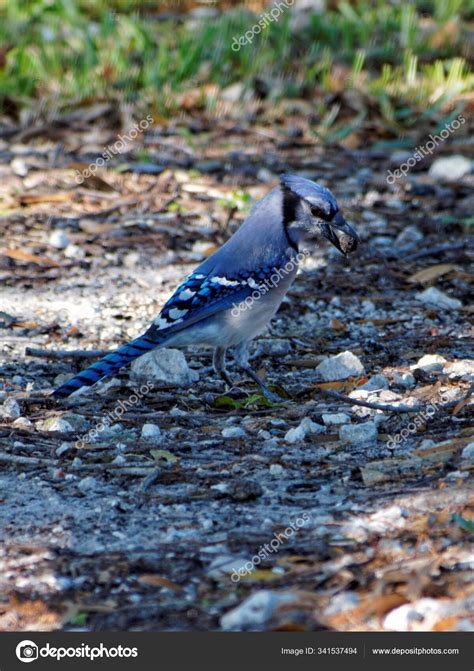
[{"x": 134, "y": 533}]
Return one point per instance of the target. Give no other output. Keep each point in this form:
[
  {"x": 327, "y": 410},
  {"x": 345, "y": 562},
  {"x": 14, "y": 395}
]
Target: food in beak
[{"x": 341, "y": 234}]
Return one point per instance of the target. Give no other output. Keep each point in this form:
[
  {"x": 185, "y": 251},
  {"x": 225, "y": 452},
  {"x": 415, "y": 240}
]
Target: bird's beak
[{"x": 339, "y": 233}]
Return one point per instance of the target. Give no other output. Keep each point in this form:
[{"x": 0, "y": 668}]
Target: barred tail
[{"x": 108, "y": 365}]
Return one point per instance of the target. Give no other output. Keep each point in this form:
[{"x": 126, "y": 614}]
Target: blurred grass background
[{"x": 356, "y": 61}]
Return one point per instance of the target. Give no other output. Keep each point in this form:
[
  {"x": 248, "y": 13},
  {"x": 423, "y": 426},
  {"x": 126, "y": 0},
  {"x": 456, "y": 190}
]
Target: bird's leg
[
  {"x": 218, "y": 363},
  {"x": 241, "y": 357}
]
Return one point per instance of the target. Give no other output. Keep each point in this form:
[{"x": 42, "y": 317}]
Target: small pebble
[
  {"x": 58, "y": 239},
  {"x": 436, "y": 299},
  {"x": 233, "y": 432},
  {"x": 468, "y": 453},
  {"x": 332, "y": 419},
  {"x": 276, "y": 470},
  {"x": 87, "y": 484},
  {"x": 151, "y": 432},
  {"x": 10, "y": 409},
  {"x": 431, "y": 363},
  {"x": 57, "y": 424},
  {"x": 340, "y": 367},
  {"x": 358, "y": 434}
]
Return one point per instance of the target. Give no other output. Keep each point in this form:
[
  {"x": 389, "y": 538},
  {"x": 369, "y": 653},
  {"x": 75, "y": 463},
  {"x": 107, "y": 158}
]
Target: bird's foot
[
  {"x": 235, "y": 392},
  {"x": 270, "y": 395}
]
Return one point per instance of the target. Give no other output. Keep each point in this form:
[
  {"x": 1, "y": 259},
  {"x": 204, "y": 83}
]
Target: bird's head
[{"x": 311, "y": 211}]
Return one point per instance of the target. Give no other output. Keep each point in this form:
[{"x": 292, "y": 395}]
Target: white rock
[
  {"x": 312, "y": 428},
  {"x": 10, "y": 409},
  {"x": 405, "y": 380},
  {"x": 232, "y": 93},
  {"x": 296, "y": 435},
  {"x": 408, "y": 236},
  {"x": 450, "y": 168},
  {"x": 340, "y": 367},
  {"x": 463, "y": 368},
  {"x": 358, "y": 434},
  {"x": 468, "y": 453},
  {"x": 426, "y": 444},
  {"x": 87, "y": 484},
  {"x": 58, "y": 239},
  {"x": 163, "y": 365},
  {"x": 233, "y": 432},
  {"x": 342, "y": 602},
  {"x": 387, "y": 518},
  {"x": 151, "y": 432},
  {"x": 225, "y": 565},
  {"x": 305, "y": 428},
  {"x": 56, "y": 424},
  {"x": 176, "y": 412},
  {"x": 368, "y": 307},
  {"x": 434, "y": 298},
  {"x": 422, "y": 614},
  {"x": 430, "y": 363},
  {"x": 256, "y": 610},
  {"x": 19, "y": 167},
  {"x": 375, "y": 382},
  {"x": 401, "y": 618},
  {"x": 359, "y": 394},
  {"x": 23, "y": 423},
  {"x": 335, "y": 418},
  {"x": 74, "y": 252},
  {"x": 458, "y": 475},
  {"x": 277, "y": 470}
]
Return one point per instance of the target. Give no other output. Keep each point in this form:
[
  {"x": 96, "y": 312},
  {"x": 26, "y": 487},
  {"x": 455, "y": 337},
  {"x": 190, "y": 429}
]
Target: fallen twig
[
  {"x": 368, "y": 404},
  {"x": 24, "y": 461},
  {"x": 394, "y": 408},
  {"x": 67, "y": 354},
  {"x": 435, "y": 250}
]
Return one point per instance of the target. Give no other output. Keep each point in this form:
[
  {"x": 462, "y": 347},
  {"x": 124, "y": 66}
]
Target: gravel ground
[{"x": 197, "y": 508}]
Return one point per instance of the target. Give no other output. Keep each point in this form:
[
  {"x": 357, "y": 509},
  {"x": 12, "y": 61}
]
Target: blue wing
[{"x": 202, "y": 296}]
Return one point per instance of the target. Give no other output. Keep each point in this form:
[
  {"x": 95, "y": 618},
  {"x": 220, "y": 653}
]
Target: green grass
[{"x": 407, "y": 59}]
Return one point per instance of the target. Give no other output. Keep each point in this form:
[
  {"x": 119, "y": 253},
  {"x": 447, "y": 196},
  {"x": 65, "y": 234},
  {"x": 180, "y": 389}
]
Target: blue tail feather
[{"x": 108, "y": 365}]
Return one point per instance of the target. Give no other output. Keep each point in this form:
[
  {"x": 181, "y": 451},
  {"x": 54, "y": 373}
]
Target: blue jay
[{"x": 230, "y": 298}]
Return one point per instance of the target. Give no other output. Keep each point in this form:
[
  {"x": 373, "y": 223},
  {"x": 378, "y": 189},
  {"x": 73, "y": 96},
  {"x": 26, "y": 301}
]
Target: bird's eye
[
  {"x": 316, "y": 212},
  {"x": 321, "y": 214}
]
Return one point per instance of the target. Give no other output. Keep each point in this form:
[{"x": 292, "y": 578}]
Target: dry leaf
[
  {"x": 33, "y": 199},
  {"x": 158, "y": 581},
  {"x": 97, "y": 183},
  {"x": 338, "y": 325},
  {"x": 431, "y": 273},
  {"x": 19, "y": 255}
]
